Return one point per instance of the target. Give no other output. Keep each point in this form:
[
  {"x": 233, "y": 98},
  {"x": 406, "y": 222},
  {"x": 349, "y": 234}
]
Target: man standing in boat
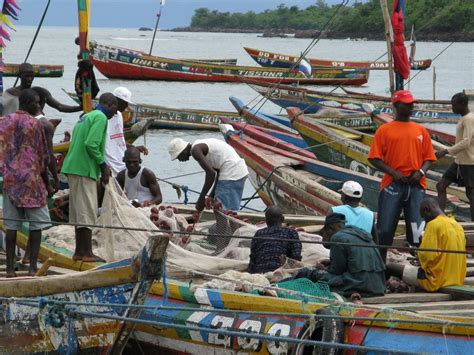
[
  {"x": 26, "y": 185},
  {"x": 404, "y": 152},
  {"x": 226, "y": 173},
  {"x": 461, "y": 172},
  {"x": 83, "y": 165},
  {"x": 26, "y": 72}
]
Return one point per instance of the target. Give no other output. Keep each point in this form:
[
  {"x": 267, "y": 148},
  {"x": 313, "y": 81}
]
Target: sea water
[{"x": 55, "y": 45}]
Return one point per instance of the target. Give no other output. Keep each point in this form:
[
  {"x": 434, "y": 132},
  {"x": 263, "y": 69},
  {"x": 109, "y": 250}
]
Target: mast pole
[
  {"x": 83, "y": 7},
  {"x": 388, "y": 38},
  {"x": 158, "y": 16}
]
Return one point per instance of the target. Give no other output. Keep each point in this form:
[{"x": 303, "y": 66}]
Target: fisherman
[
  {"x": 351, "y": 269},
  {"x": 83, "y": 165},
  {"x": 277, "y": 241},
  {"x": 351, "y": 194},
  {"x": 26, "y": 185},
  {"x": 437, "y": 269},
  {"x": 225, "y": 174},
  {"x": 224, "y": 169},
  {"x": 140, "y": 184},
  {"x": 26, "y": 73},
  {"x": 461, "y": 172},
  {"x": 115, "y": 146},
  {"x": 403, "y": 151}
]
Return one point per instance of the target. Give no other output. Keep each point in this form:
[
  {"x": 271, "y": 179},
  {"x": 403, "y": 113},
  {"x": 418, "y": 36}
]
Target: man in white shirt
[{"x": 115, "y": 145}]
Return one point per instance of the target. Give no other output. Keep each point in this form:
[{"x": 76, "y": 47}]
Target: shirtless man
[{"x": 27, "y": 75}]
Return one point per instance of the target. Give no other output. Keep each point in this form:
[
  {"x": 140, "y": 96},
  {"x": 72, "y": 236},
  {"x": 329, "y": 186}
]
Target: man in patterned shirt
[
  {"x": 265, "y": 253},
  {"x": 26, "y": 185}
]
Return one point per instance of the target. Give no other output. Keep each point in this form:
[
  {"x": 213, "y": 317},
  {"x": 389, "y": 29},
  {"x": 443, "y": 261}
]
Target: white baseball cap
[
  {"x": 176, "y": 147},
  {"x": 352, "y": 189},
  {"x": 124, "y": 94}
]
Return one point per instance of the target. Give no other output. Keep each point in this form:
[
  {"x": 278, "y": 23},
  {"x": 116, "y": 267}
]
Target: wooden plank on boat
[
  {"x": 431, "y": 306},
  {"x": 460, "y": 292},
  {"x": 451, "y": 312},
  {"x": 396, "y": 298}
]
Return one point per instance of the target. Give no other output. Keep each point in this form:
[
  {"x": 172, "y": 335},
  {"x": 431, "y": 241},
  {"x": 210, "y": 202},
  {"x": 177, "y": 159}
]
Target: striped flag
[{"x": 305, "y": 68}]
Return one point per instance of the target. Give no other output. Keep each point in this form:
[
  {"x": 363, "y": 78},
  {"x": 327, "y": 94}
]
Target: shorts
[
  {"x": 39, "y": 216},
  {"x": 83, "y": 204},
  {"x": 462, "y": 175},
  {"x": 229, "y": 193},
  {"x": 411, "y": 275}
]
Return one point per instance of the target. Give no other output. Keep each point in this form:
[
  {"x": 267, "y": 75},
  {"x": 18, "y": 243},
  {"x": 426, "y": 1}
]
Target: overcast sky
[{"x": 139, "y": 13}]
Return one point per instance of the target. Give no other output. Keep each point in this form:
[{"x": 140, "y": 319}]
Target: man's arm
[
  {"x": 397, "y": 176},
  {"x": 199, "y": 152},
  {"x": 338, "y": 257},
  {"x": 252, "y": 267},
  {"x": 93, "y": 144},
  {"x": 152, "y": 184},
  {"x": 49, "y": 133},
  {"x": 465, "y": 142},
  {"x": 429, "y": 241},
  {"x": 295, "y": 247},
  {"x": 121, "y": 179},
  {"x": 51, "y": 101},
  {"x": 375, "y": 236}
]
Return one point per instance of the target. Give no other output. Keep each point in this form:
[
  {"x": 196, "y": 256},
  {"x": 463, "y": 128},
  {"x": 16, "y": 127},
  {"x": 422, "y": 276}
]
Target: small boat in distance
[
  {"x": 276, "y": 60},
  {"x": 41, "y": 70},
  {"x": 121, "y": 63}
]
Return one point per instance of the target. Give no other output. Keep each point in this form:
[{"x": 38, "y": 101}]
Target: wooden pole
[
  {"x": 434, "y": 83},
  {"x": 83, "y": 7},
  {"x": 388, "y": 38},
  {"x": 158, "y": 16}
]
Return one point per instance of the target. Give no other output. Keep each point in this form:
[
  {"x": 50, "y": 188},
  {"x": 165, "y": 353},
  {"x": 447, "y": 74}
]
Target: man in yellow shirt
[{"x": 437, "y": 269}]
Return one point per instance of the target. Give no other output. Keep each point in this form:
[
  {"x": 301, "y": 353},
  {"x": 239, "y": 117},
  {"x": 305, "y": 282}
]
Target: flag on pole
[
  {"x": 162, "y": 2},
  {"x": 9, "y": 9},
  {"x": 305, "y": 68},
  {"x": 401, "y": 65}
]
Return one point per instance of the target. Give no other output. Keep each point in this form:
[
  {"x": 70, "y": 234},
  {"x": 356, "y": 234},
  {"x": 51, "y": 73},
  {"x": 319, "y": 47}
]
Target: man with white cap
[
  {"x": 351, "y": 194},
  {"x": 115, "y": 145},
  {"x": 224, "y": 169}
]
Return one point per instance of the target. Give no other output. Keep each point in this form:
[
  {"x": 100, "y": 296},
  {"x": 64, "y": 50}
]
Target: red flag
[{"x": 399, "y": 52}]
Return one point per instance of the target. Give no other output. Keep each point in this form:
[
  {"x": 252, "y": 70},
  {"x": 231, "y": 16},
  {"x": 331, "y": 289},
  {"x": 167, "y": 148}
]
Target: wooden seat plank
[
  {"x": 432, "y": 306},
  {"x": 394, "y": 298}
]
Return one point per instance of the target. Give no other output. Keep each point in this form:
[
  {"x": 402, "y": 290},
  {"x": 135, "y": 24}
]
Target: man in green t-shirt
[{"x": 83, "y": 165}]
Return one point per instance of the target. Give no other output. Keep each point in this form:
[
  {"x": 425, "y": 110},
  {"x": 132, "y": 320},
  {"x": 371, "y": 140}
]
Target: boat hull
[
  {"x": 276, "y": 60},
  {"x": 41, "y": 70},
  {"x": 117, "y": 63}
]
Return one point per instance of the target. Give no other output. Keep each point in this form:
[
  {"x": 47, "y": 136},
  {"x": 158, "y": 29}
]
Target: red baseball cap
[{"x": 403, "y": 96}]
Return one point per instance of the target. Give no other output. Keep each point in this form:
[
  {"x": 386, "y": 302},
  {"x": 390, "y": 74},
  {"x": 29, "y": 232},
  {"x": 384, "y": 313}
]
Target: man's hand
[
  {"x": 51, "y": 190},
  {"x": 414, "y": 178},
  {"x": 142, "y": 149},
  {"x": 105, "y": 174},
  {"x": 398, "y": 177},
  {"x": 136, "y": 204},
  {"x": 200, "y": 204},
  {"x": 209, "y": 202},
  {"x": 441, "y": 153}
]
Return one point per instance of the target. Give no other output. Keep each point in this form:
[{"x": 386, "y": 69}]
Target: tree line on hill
[{"x": 362, "y": 19}]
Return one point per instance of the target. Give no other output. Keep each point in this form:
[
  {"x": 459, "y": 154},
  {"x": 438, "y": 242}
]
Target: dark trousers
[{"x": 392, "y": 200}]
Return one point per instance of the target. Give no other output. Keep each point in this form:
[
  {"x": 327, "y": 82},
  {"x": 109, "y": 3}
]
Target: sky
[{"x": 139, "y": 13}]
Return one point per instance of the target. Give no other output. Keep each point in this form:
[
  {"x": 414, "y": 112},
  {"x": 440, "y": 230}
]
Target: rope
[
  {"x": 379, "y": 246},
  {"x": 238, "y": 333},
  {"x": 35, "y": 36}
]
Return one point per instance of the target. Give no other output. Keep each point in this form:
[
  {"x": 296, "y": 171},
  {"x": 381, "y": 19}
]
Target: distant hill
[{"x": 433, "y": 19}]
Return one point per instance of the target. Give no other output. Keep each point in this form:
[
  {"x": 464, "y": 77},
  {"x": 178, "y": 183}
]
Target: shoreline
[{"x": 304, "y": 34}]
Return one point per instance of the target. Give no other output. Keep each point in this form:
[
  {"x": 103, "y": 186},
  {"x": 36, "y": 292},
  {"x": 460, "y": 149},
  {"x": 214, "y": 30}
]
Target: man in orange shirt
[{"x": 403, "y": 151}]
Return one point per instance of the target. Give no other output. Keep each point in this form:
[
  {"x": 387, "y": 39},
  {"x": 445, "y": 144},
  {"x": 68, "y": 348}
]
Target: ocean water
[{"x": 55, "y": 45}]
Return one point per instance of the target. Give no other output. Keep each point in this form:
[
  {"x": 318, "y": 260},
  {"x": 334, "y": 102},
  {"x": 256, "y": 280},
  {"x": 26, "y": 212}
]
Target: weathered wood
[
  {"x": 44, "y": 268},
  {"x": 460, "y": 292},
  {"x": 431, "y": 306},
  {"x": 396, "y": 298},
  {"x": 451, "y": 312}
]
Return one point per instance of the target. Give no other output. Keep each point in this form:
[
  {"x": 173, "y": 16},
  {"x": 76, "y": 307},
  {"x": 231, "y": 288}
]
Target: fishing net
[{"x": 304, "y": 287}]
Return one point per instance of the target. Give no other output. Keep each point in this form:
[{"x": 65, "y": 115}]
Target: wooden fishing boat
[
  {"x": 174, "y": 118},
  {"x": 359, "y": 121},
  {"x": 131, "y": 134},
  {"x": 312, "y": 101},
  {"x": 120, "y": 63},
  {"x": 436, "y": 134},
  {"x": 181, "y": 317},
  {"x": 41, "y": 313},
  {"x": 41, "y": 70},
  {"x": 276, "y": 60},
  {"x": 349, "y": 149}
]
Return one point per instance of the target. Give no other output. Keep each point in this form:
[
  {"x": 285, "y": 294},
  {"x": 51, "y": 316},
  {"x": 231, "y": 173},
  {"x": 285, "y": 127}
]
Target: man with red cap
[{"x": 403, "y": 151}]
